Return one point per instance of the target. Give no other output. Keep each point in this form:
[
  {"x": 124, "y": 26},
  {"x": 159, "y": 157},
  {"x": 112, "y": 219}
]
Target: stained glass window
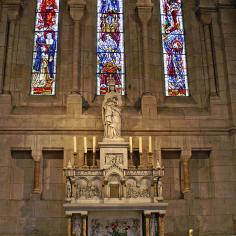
[
  {"x": 110, "y": 45},
  {"x": 173, "y": 43},
  {"x": 45, "y": 48}
]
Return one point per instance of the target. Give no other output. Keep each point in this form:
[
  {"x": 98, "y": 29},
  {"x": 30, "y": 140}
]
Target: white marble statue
[{"x": 111, "y": 113}]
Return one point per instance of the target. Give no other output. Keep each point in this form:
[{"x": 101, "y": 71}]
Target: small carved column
[
  {"x": 69, "y": 225},
  {"x": 85, "y": 225},
  {"x": 77, "y": 8},
  {"x": 147, "y": 223},
  {"x": 105, "y": 189},
  {"x": 185, "y": 159},
  {"x": 122, "y": 189},
  {"x": 37, "y": 161},
  {"x": 145, "y": 14},
  {"x": 161, "y": 225}
]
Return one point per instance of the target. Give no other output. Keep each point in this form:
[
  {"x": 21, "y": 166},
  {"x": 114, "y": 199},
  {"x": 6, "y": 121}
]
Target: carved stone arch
[
  {"x": 114, "y": 170},
  {"x": 114, "y": 185}
]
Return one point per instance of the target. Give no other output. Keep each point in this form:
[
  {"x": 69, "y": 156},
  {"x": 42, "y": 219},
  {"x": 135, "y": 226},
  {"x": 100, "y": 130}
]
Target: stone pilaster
[
  {"x": 148, "y": 101},
  {"x": 37, "y": 156},
  {"x": 145, "y": 14},
  {"x": 13, "y": 12},
  {"x": 77, "y": 8},
  {"x": 161, "y": 225},
  {"x": 185, "y": 159},
  {"x": 74, "y": 101},
  {"x": 205, "y": 17},
  {"x": 10, "y": 14}
]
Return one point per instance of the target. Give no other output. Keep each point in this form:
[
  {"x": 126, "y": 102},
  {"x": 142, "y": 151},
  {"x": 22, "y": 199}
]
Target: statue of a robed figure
[{"x": 111, "y": 113}]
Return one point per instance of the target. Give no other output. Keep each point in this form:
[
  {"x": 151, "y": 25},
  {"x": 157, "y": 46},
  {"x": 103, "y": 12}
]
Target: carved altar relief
[
  {"x": 138, "y": 190},
  {"x": 116, "y": 158}
]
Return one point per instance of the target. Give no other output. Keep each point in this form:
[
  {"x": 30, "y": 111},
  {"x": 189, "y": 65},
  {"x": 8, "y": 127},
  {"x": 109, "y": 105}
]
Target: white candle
[
  {"x": 94, "y": 144},
  {"x": 75, "y": 144},
  {"x": 140, "y": 145},
  {"x": 131, "y": 144},
  {"x": 85, "y": 145},
  {"x": 150, "y": 144}
]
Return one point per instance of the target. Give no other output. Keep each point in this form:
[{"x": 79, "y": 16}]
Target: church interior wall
[{"x": 203, "y": 122}]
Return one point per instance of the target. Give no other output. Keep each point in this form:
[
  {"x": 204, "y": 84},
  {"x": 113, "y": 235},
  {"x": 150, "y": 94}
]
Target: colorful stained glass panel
[
  {"x": 43, "y": 81},
  {"x": 110, "y": 45},
  {"x": 173, "y": 43}
]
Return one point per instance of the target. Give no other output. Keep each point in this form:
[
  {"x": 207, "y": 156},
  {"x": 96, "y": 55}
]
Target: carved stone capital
[
  {"x": 36, "y": 155},
  {"x": 205, "y": 14},
  {"x": 13, "y": 9},
  {"x": 144, "y": 3},
  {"x": 144, "y": 12},
  {"x": 77, "y": 8},
  {"x": 186, "y": 155}
]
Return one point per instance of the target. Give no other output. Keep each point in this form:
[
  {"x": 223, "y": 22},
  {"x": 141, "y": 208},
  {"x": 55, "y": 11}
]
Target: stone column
[
  {"x": 37, "y": 156},
  {"x": 10, "y": 14},
  {"x": 147, "y": 223},
  {"x": 77, "y": 8},
  {"x": 145, "y": 14},
  {"x": 36, "y": 177},
  {"x": 4, "y": 38},
  {"x": 69, "y": 225},
  {"x": 105, "y": 189},
  {"x": 122, "y": 194},
  {"x": 74, "y": 101},
  {"x": 161, "y": 225},
  {"x": 12, "y": 18},
  {"x": 148, "y": 101},
  {"x": 84, "y": 221},
  {"x": 185, "y": 159}
]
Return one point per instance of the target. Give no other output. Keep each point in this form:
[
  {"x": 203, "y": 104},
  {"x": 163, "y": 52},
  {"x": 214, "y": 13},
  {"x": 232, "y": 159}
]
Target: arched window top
[
  {"x": 110, "y": 45},
  {"x": 45, "y": 48},
  {"x": 173, "y": 43}
]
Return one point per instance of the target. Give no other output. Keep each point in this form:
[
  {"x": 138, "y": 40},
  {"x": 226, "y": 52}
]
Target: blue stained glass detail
[
  {"x": 110, "y": 45},
  {"x": 173, "y": 43}
]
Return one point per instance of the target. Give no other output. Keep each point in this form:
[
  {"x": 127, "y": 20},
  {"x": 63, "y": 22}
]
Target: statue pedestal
[{"x": 113, "y": 153}]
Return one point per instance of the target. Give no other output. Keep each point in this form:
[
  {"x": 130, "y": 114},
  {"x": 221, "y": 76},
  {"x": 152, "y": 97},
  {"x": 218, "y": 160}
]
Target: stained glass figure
[
  {"x": 45, "y": 48},
  {"x": 110, "y": 45},
  {"x": 173, "y": 43}
]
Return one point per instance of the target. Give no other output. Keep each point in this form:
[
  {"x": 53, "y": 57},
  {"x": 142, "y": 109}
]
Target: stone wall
[{"x": 205, "y": 121}]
